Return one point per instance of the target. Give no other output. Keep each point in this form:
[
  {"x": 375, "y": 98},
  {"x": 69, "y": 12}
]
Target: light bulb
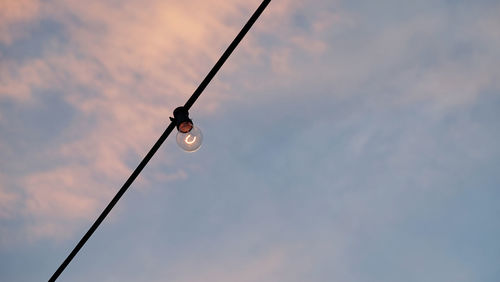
[{"x": 190, "y": 141}]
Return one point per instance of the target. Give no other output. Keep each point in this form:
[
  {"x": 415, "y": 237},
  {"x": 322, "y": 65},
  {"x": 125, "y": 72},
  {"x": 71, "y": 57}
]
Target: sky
[{"x": 343, "y": 140}]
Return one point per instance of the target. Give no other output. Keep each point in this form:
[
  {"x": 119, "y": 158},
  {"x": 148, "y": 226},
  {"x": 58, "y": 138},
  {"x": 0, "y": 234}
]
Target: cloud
[
  {"x": 122, "y": 67},
  {"x": 358, "y": 89},
  {"x": 265, "y": 266},
  {"x": 8, "y": 199},
  {"x": 13, "y": 14},
  {"x": 58, "y": 197},
  {"x": 19, "y": 80}
]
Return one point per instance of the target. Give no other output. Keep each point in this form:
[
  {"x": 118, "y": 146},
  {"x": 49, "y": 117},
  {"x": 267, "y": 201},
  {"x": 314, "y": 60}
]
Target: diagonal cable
[{"x": 162, "y": 139}]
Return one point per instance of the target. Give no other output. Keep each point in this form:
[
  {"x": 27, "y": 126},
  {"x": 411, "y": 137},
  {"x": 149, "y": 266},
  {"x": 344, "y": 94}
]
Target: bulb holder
[{"x": 182, "y": 121}]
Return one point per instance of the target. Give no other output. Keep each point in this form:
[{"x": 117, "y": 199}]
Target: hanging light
[{"x": 189, "y": 137}]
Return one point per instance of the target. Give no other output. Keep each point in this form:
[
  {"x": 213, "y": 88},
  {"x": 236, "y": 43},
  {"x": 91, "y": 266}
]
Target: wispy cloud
[
  {"x": 122, "y": 67},
  {"x": 364, "y": 99},
  {"x": 14, "y": 16}
]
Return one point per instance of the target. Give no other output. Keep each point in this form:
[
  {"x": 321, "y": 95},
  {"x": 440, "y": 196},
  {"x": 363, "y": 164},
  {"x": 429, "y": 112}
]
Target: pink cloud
[
  {"x": 135, "y": 62},
  {"x": 16, "y": 12},
  {"x": 140, "y": 59}
]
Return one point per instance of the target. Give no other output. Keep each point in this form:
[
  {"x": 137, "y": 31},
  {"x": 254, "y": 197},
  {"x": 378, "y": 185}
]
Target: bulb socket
[{"x": 182, "y": 121}]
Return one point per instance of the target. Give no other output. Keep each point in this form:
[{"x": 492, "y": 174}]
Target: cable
[
  {"x": 160, "y": 141},
  {"x": 226, "y": 54}
]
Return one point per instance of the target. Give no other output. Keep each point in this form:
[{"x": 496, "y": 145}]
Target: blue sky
[{"x": 343, "y": 141}]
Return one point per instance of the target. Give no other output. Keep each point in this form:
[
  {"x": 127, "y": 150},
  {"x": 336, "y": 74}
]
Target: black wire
[
  {"x": 226, "y": 54},
  {"x": 160, "y": 141}
]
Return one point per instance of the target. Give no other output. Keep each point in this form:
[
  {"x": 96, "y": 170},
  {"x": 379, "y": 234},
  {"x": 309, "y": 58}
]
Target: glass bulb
[{"x": 190, "y": 141}]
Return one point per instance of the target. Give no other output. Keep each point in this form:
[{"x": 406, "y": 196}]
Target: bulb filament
[{"x": 189, "y": 142}]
